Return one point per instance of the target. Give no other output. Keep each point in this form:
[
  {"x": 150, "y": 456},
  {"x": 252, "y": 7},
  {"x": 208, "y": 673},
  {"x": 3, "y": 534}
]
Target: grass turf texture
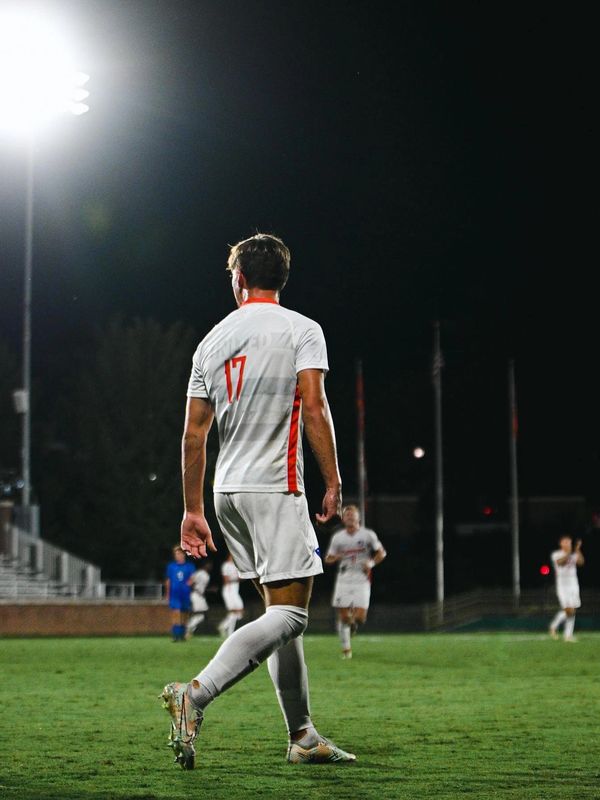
[{"x": 429, "y": 716}]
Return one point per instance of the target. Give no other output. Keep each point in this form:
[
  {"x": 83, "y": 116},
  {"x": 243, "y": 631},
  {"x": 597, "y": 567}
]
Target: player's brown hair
[
  {"x": 263, "y": 260},
  {"x": 352, "y": 507}
]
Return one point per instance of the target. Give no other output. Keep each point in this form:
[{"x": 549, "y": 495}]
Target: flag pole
[
  {"x": 439, "y": 476},
  {"x": 360, "y": 441},
  {"x": 514, "y": 482}
]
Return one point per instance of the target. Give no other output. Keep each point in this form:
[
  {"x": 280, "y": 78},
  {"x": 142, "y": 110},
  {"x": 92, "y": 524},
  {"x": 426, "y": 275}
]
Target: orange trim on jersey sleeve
[
  {"x": 260, "y": 300},
  {"x": 292, "y": 459}
]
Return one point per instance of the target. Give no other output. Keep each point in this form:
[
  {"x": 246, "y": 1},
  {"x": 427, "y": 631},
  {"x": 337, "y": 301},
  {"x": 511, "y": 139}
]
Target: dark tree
[{"x": 119, "y": 478}]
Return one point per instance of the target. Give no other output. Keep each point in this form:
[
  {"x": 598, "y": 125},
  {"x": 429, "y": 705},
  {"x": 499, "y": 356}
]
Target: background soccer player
[
  {"x": 356, "y": 550},
  {"x": 261, "y": 373},
  {"x": 231, "y": 597},
  {"x": 178, "y": 592},
  {"x": 565, "y": 561},
  {"x": 198, "y": 584}
]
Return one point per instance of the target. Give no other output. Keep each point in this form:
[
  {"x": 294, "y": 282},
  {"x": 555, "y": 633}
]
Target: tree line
[{"x": 106, "y": 445}]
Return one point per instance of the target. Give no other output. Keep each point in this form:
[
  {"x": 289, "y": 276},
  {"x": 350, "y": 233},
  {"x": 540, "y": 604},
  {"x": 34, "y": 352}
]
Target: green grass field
[{"x": 429, "y": 716}]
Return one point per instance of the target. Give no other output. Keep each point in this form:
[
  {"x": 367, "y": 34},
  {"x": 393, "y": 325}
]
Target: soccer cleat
[
  {"x": 570, "y": 639},
  {"x": 347, "y": 654},
  {"x": 185, "y": 723},
  {"x": 553, "y": 633},
  {"x": 323, "y": 753}
]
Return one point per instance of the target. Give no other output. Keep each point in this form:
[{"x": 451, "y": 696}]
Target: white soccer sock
[
  {"x": 195, "y": 620},
  {"x": 569, "y": 627},
  {"x": 345, "y": 632},
  {"x": 245, "y": 649},
  {"x": 558, "y": 620},
  {"x": 290, "y": 678}
]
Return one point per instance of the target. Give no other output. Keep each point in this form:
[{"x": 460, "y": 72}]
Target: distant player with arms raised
[
  {"x": 261, "y": 373},
  {"x": 565, "y": 561},
  {"x": 356, "y": 550}
]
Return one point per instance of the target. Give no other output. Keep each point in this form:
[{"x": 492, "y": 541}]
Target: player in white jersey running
[
  {"x": 565, "y": 561},
  {"x": 231, "y": 597},
  {"x": 261, "y": 373},
  {"x": 356, "y": 550},
  {"x": 198, "y": 583}
]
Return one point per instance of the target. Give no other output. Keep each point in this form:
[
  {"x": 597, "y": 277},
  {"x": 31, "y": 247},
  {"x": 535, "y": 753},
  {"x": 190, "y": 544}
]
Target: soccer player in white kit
[
  {"x": 356, "y": 550},
  {"x": 198, "y": 583},
  {"x": 231, "y": 597},
  {"x": 261, "y": 373},
  {"x": 565, "y": 561}
]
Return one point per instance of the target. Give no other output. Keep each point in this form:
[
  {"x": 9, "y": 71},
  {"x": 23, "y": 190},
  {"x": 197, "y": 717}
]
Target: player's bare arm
[
  {"x": 580, "y": 560},
  {"x": 320, "y": 433},
  {"x": 376, "y": 559},
  {"x": 332, "y": 559},
  {"x": 196, "y": 535}
]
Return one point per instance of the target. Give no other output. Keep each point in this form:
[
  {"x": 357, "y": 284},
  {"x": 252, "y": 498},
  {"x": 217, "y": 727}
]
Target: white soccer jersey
[
  {"x": 229, "y": 570},
  {"x": 200, "y": 580},
  {"x": 566, "y": 574},
  {"x": 355, "y": 549},
  {"x": 247, "y": 367}
]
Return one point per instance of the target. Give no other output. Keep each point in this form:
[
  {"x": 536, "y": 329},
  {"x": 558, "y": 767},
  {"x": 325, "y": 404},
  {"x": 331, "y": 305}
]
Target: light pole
[
  {"x": 38, "y": 82},
  {"x": 27, "y": 275}
]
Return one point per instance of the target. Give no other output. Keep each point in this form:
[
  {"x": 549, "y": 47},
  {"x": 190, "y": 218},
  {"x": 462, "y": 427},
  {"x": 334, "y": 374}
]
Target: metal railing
[
  {"x": 469, "y": 607},
  {"x": 138, "y": 590}
]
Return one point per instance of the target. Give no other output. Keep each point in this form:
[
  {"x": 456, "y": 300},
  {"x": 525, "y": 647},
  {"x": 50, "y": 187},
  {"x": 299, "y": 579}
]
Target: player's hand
[
  {"x": 332, "y": 507},
  {"x": 196, "y": 535},
  {"x": 578, "y": 544}
]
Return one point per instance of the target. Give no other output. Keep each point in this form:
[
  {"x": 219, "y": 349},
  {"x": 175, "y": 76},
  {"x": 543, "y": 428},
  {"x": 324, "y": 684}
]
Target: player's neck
[
  {"x": 353, "y": 530},
  {"x": 261, "y": 296}
]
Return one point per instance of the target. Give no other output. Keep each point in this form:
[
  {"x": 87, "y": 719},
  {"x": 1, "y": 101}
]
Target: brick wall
[{"x": 83, "y": 619}]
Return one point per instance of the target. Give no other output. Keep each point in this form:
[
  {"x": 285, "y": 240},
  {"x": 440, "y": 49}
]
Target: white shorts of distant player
[
  {"x": 351, "y": 594},
  {"x": 199, "y": 604},
  {"x": 269, "y": 535},
  {"x": 568, "y": 594},
  {"x": 232, "y": 597}
]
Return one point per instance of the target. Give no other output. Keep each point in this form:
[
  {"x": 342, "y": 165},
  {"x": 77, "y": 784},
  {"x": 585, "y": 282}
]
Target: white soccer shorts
[
  {"x": 199, "y": 603},
  {"x": 568, "y": 596},
  {"x": 269, "y": 535},
  {"x": 348, "y": 594},
  {"x": 231, "y": 597}
]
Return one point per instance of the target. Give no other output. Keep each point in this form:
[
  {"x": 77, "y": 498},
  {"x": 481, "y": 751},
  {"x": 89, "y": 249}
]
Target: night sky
[{"x": 422, "y": 161}]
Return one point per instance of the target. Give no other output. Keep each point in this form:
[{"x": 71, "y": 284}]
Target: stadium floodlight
[
  {"x": 38, "y": 76},
  {"x": 39, "y": 82}
]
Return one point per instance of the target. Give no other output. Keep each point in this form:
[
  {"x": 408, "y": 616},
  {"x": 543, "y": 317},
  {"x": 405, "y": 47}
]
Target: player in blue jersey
[{"x": 178, "y": 587}]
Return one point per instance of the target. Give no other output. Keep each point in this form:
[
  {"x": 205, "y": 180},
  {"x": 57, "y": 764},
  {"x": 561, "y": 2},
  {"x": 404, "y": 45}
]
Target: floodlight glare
[
  {"x": 80, "y": 78},
  {"x": 38, "y": 77},
  {"x": 39, "y": 81}
]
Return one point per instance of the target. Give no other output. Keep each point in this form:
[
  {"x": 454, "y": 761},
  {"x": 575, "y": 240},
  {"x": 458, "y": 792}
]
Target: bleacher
[
  {"x": 31, "y": 568},
  {"x": 18, "y": 581}
]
